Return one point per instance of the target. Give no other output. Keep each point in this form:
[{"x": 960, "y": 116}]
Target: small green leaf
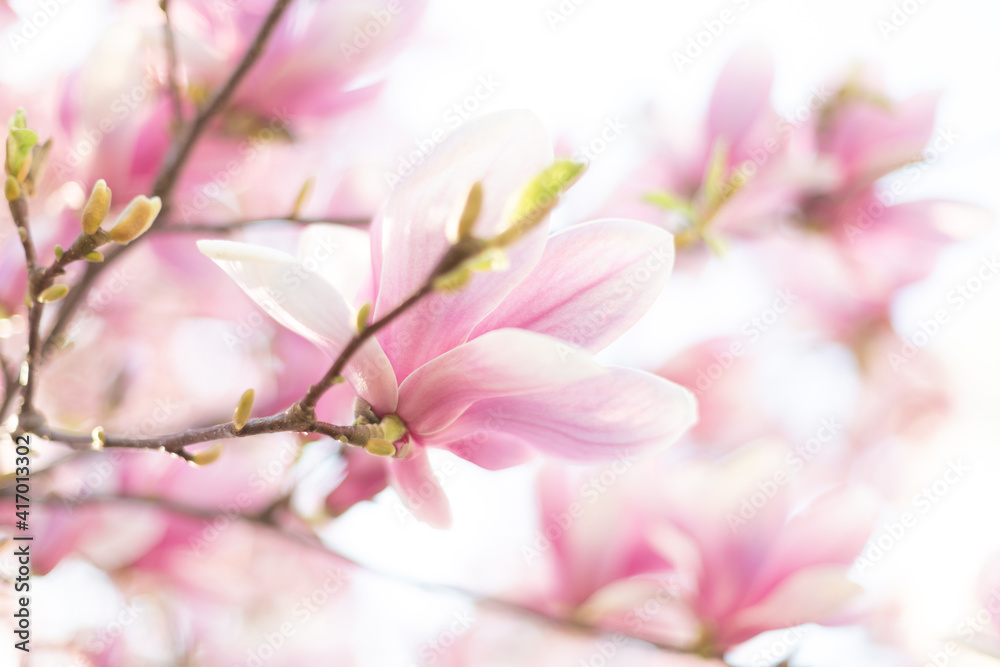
[
  {"x": 25, "y": 139},
  {"x": 538, "y": 198},
  {"x": 363, "y": 314},
  {"x": 668, "y": 202},
  {"x": 19, "y": 120}
]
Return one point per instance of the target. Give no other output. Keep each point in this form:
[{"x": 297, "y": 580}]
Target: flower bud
[
  {"x": 393, "y": 428},
  {"x": 97, "y": 207},
  {"x": 243, "y": 410},
  {"x": 97, "y": 438},
  {"x": 363, "y": 315},
  {"x": 537, "y": 199},
  {"x": 94, "y": 256},
  {"x": 11, "y": 190},
  {"x": 39, "y": 160},
  {"x": 206, "y": 456},
  {"x": 135, "y": 219},
  {"x": 470, "y": 214},
  {"x": 380, "y": 447},
  {"x": 53, "y": 293}
]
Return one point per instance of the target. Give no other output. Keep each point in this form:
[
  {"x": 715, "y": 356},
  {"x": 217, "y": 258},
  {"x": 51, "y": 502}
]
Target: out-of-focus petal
[
  {"x": 742, "y": 97},
  {"x": 419, "y": 490},
  {"x": 366, "y": 476}
]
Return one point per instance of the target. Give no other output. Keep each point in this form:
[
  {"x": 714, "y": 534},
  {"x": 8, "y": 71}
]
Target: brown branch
[
  {"x": 285, "y": 422},
  {"x": 10, "y": 385},
  {"x": 172, "y": 64},
  {"x": 170, "y": 171},
  {"x": 266, "y": 521},
  {"x": 316, "y": 391},
  {"x": 226, "y": 228},
  {"x": 181, "y": 150},
  {"x": 28, "y": 417},
  {"x": 299, "y": 418},
  {"x": 19, "y": 211}
]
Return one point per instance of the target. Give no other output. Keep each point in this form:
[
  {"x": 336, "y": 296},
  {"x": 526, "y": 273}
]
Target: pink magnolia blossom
[
  {"x": 701, "y": 556},
  {"x": 730, "y": 413},
  {"x": 760, "y": 562},
  {"x": 737, "y": 177},
  {"x": 314, "y": 61},
  {"x": 505, "y": 357},
  {"x": 868, "y": 135}
]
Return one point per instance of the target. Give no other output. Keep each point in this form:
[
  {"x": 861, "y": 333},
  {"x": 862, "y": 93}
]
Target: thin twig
[
  {"x": 10, "y": 385},
  {"x": 181, "y": 150},
  {"x": 265, "y": 522},
  {"x": 285, "y": 422},
  {"x": 170, "y": 170},
  {"x": 19, "y": 211},
  {"x": 172, "y": 65},
  {"x": 226, "y": 228},
  {"x": 316, "y": 391},
  {"x": 299, "y": 418}
]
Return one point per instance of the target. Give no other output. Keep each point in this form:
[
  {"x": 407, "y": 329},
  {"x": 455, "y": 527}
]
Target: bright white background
[{"x": 610, "y": 58}]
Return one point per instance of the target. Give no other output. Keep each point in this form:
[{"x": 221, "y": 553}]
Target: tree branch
[
  {"x": 285, "y": 422},
  {"x": 181, "y": 150},
  {"x": 170, "y": 171},
  {"x": 172, "y": 64},
  {"x": 19, "y": 211},
  {"x": 266, "y": 521},
  {"x": 226, "y": 228},
  {"x": 316, "y": 391},
  {"x": 10, "y": 385},
  {"x": 299, "y": 418}
]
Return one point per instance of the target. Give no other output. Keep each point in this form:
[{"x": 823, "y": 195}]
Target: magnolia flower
[
  {"x": 500, "y": 367},
  {"x": 697, "y": 555},
  {"x": 313, "y": 62},
  {"x": 760, "y": 558},
  {"x": 737, "y": 176}
]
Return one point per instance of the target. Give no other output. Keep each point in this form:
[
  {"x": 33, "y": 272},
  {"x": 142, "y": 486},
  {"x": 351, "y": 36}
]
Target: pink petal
[
  {"x": 832, "y": 531},
  {"x": 742, "y": 97},
  {"x": 593, "y": 282},
  {"x": 503, "y": 151},
  {"x": 307, "y": 304},
  {"x": 601, "y": 417},
  {"x": 807, "y": 596},
  {"x": 871, "y": 140},
  {"x": 341, "y": 255},
  {"x": 476, "y": 437},
  {"x": 500, "y": 363},
  {"x": 419, "y": 490},
  {"x": 366, "y": 476}
]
